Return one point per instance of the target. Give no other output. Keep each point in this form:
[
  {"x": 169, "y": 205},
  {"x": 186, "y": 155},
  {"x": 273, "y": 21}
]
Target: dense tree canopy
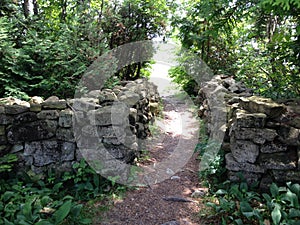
[
  {"x": 255, "y": 41},
  {"x": 46, "y": 45}
]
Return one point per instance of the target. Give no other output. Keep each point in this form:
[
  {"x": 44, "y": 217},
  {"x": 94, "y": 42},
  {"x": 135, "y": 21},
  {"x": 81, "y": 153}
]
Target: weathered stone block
[
  {"x": 109, "y": 115},
  {"x": 43, "y": 152},
  {"x": 244, "y": 151},
  {"x": 2, "y": 109},
  {"x": 37, "y": 130},
  {"x": 2, "y": 130},
  {"x": 88, "y": 142},
  {"x": 54, "y": 103},
  {"x": 35, "y": 107},
  {"x": 65, "y": 134},
  {"x": 258, "y": 136},
  {"x": 245, "y": 119},
  {"x": 233, "y": 165},
  {"x": 25, "y": 118},
  {"x": 85, "y": 104},
  {"x": 17, "y": 148},
  {"x": 68, "y": 151},
  {"x": 129, "y": 98},
  {"x": 279, "y": 160},
  {"x": 106, "y": 96},
  {"x": 266, "y": 106},
  {"x": 272, "y": 147},
  {"x": 3, "y": 140},
  {"x": 65, "y": 118},
  {"x": 283, "y": 176},
  {"x": 289, "y": 135},
  {"x": 15, "y": 109},
  {"x": 48, "y": 114},
  {"x": 5, "y": 119},
  {"x": 132, "y": 116},
  {"x": 3, "y": 148},
  {"x": 249, "y": 177}
]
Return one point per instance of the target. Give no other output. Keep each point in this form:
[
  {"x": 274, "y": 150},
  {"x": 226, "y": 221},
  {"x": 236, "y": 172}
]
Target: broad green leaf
[
  {"x": 6, "y": 222},
  {"x": 274, "y": 190},
  {"x": 246, "y": 209},
  {"x": 292, "y": 198},
  {"x": 276, "y": 215},
  {"x": 27, "y": 210},
  {"x": 7, "y": 195},
  {"x": 62, "y": 212},
  {"x": 44, "y": 222},
  {"x": 293, "y": 213}
]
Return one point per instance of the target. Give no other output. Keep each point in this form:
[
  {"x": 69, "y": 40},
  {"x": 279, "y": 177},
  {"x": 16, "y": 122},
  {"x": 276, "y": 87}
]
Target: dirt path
[{"x": 169, "y": 202}]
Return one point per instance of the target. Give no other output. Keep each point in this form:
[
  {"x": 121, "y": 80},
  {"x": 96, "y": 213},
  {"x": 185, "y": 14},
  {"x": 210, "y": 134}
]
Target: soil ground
[{"x": 149, "y": 205}]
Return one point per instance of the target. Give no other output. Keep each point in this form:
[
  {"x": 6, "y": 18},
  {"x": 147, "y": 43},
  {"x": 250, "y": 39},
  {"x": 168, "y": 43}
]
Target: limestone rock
[
  {"x": 68, "y": 151},
  {"x": 278, "y": 161},
  {"x": 244, "y": 151},
  {"x": 245, "y": 119},
  {"x": 258, "y": 136},
  {"x": 129, "y": 98},
  {"x": 48, "y": 115},
  {"x": 2, "y": 109},
  {"x": 54, "y": 102},
  {"x": 17, "y": 148},
  {"x": 233, "y": 165},
  {"x": 109, "y": 115},
  {"x": 106, "y": 96},
  {"x": 65, "y": 134},
  {"x": 35, "y": 107},
  {"x": 25, "y": 118},
  {"x": 272, "y": 148},
  {"x": 289, "y": 135},
  {"x": 266, "y": 106},
  {"x": 2, "y": 130},
  {"x": 43, "y": 152},
  {"x": 250, "y": 178},
  {"x": 65, "y": 118},
  {"x": 37, "y": 130},
  {"x": 3, "y": 140},
  {"x": 5, "y": 119},
  {"x": 36, "y": 100},
  {"x": 16, "y": 109}
]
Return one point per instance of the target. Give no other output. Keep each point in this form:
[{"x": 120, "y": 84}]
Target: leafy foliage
[
  {"x": 46, "y": 50},
  {"x": 239, "y": 204},
  {"x": 54, "y": 200},
  {"x": 255, "y": 41}
]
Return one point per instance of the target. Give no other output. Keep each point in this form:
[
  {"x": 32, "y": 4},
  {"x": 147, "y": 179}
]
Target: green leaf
[
  {"x": 292, "y": 198},
  {"x": 7, "y": 195},
  {"x": 274, "y": 190},
  {"x": 62, "y": 212},
  {"x": 6, "y": 222},
  {"x": 75, "y": 211},
  {"x": 294, "y": 213},
  {"x": 246, "y": 209},
  {"x": 221, "y": 192},
  {"x": 276, "y": 214},
  {"x": 44, "y": 222},
  {"x": 27, "y": 210}
]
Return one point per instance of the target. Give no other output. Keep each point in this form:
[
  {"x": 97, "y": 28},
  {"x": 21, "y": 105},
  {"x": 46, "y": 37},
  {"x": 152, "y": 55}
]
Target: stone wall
[
  {"x": 262, "y": 139},
  {"x": 41, "y": 133}
]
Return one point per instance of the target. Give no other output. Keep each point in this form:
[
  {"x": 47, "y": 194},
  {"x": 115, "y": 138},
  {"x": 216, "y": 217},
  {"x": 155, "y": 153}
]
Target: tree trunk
[
  {"x": 63, "y": 14},
  {"x": 35, "y": 7},
  {"x": 26, "y": 8}
]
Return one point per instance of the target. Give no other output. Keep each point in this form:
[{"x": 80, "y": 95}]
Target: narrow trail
[{"x": 169, "y": 202}]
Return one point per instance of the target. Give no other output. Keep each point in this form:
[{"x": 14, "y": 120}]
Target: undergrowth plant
[
  {"x": 240, "y": 204},
  {"x": 27, "y": 200}
]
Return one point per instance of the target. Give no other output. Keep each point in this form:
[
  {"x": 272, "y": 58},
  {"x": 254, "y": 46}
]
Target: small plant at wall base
[
  {"x": 55, "y": 200},
  {"x": 240, "y": 204}
]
